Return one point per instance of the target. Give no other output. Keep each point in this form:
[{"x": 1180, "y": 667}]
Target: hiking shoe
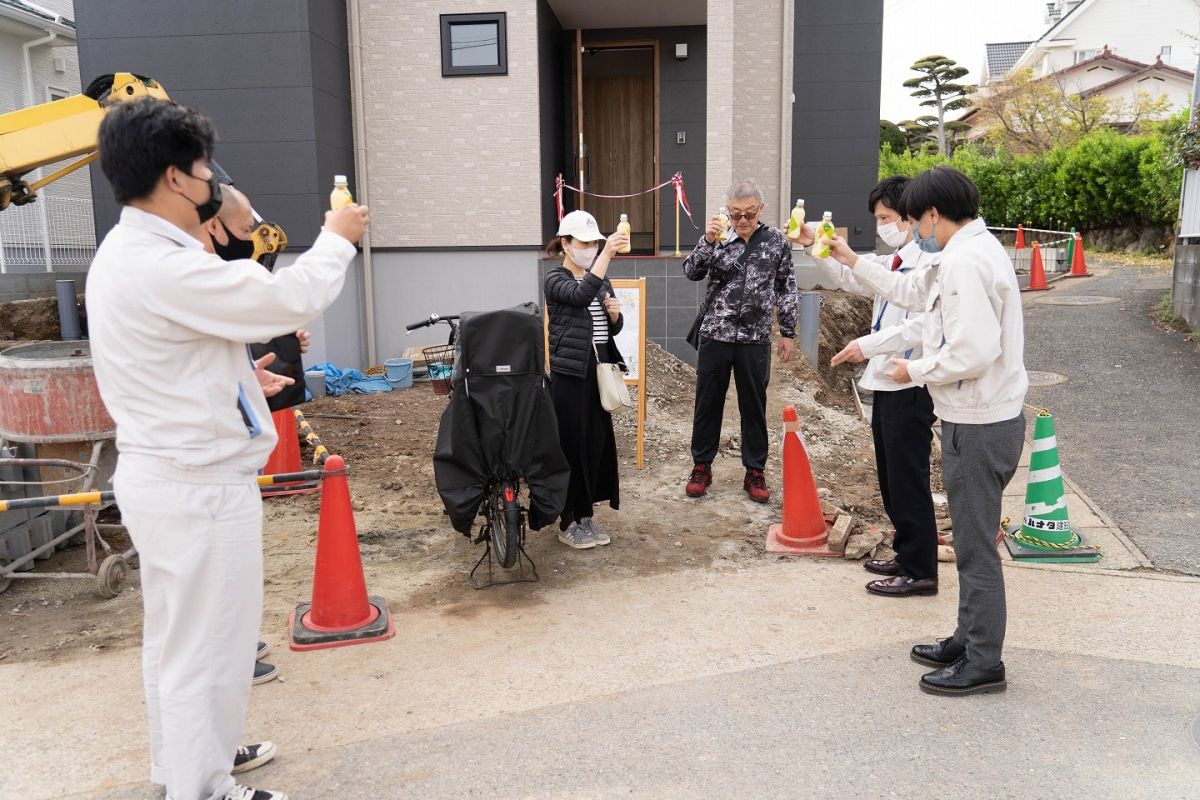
[
  {"x": 263, "y": 649},
  {"x": 264, "y": 672},
  {"x": 755, "y": 485},
  {"x": 597, "y": 533},
  {"x": 252, "y": 756},
  {"x": 699, "y": 481},
  {"x": 577, "y": 536},
  {"x": 240, "y": 792}
]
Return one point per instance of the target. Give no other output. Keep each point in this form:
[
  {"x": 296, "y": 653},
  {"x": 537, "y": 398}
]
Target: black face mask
[
  {"x": 209, "y": 209},
  {"x": 236, "y": 249}
]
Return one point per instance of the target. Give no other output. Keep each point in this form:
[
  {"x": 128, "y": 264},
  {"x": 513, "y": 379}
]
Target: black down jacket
[{"x": 567, "y": 302}]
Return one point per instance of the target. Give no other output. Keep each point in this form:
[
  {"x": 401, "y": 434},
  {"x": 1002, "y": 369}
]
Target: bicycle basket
[{"x": 439, "y": 360}]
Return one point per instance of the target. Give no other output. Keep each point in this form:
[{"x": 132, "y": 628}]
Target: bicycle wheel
[{"x": 506, "y": 525}]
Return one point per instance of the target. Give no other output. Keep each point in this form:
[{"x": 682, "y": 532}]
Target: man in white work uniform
[{"x": 169, "y": 324}]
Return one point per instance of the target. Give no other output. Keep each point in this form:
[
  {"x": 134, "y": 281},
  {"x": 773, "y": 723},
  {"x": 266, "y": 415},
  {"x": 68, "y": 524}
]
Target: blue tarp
[{"x": 339, "y": 382}]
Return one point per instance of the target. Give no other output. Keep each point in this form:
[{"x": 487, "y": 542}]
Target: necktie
[{"x": 896, "y": 261}]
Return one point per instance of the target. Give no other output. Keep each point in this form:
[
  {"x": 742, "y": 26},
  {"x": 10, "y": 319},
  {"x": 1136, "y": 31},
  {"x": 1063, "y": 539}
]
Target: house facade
[
  {"x": 1141, "y": 30},
  {"x": 455, "y": 119}
]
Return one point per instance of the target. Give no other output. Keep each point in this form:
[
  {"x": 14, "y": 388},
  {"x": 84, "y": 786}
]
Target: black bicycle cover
[{"x": 500, "y": 422}]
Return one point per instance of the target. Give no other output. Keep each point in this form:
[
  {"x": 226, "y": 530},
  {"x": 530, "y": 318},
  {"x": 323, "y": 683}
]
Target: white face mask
[
  {"x": 583, "y": 256},
  {"x": 892, "y": 234}
]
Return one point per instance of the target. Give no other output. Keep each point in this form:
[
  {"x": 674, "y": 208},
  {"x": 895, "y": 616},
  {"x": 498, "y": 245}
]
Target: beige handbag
[{"x": 614, "y": 393}]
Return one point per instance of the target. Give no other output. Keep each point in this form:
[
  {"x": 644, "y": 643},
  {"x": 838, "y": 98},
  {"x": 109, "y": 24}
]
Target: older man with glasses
[{"x": 750, "y": 275}]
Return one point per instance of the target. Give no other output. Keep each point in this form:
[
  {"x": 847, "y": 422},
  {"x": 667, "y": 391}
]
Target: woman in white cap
[{"x": 584, "y": 316}]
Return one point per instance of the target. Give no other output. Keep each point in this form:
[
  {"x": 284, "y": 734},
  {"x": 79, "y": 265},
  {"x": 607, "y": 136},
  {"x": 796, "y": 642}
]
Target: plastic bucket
[
  {"x": 315, "y": 381},
  {"x": 399, "y": 372}
]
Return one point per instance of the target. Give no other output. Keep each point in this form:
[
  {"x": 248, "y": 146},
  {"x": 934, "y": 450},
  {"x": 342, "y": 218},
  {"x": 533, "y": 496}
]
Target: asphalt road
[{"x": 1128, "y": 416}]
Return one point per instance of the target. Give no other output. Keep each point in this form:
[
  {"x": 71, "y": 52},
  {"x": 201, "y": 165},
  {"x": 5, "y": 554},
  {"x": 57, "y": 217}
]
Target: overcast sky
[{"x": 956, "y": 29}]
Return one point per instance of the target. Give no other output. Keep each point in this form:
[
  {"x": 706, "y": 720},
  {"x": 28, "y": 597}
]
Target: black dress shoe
[
  {"x": 902, "y": 586},
  {"x": 942, "y": 654},
  {"x": 963, "y": 677},
  {"x": 882, "y": 567}
]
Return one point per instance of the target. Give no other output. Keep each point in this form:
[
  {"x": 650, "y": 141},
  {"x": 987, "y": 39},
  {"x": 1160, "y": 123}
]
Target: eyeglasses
[{"x": 749, "y": 215}]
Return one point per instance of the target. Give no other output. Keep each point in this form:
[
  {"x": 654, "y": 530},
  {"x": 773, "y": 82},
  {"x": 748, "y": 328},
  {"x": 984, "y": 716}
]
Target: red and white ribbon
[{"x": 675, "y": 180}]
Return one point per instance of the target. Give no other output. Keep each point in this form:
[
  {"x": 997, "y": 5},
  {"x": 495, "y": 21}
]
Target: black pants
[
  {"x": 901, "y": 425},
  {"x": 751, "y": 367}
]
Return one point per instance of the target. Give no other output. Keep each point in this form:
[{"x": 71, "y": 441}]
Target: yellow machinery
[{"x": 64, "y": 129}]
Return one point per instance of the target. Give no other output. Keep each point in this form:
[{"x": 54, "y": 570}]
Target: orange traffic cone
[
  {"x": 1037, "y": 273},
  {"x": 1078, "y": 263},
  {"x": 1020, "y": 236},
  {"x": 340, "y": 612},
  {"x": 804, "y": 531},
  {"x": 285, "y": 458}
]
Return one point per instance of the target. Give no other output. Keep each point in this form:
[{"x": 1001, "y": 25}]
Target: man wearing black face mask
[
  {"x": 229, "y": 236},
  {"x": 169, "y": 324}
]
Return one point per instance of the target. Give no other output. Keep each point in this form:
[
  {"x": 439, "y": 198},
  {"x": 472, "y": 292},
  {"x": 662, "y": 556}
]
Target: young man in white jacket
[
  {"x": 973, "y": 364},
  {"x": 169, "y": 324},
  {"x": 902, "y": 413}
]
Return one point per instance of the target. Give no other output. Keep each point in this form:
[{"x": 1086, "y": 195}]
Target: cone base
[
  {"x": 778, "y": 544},
  {"x": 301, "y": 637},
  {"x": 1038, "y": 289},
  {"x": 1078, "y": 275},
  {"x": 1082, "y": 554}
]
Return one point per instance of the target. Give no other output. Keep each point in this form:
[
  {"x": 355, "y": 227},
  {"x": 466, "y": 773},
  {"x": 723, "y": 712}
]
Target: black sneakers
[
  {"x": 264, "y": 672},
  {"x": 240, "y": 792},
  {"x": 253, "y": 755}
]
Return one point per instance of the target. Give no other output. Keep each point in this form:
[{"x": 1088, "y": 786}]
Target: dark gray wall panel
[
  {"x": 835, "y": 121},
  {"x": 274, "y": 78}
]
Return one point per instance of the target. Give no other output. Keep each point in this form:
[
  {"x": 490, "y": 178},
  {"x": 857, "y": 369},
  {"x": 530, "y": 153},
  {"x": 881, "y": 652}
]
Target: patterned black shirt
[{"x": 740, "y": 311}]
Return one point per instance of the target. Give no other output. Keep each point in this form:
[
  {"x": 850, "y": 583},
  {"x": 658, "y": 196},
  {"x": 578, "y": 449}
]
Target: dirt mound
[{"x": 33, "y": 320}]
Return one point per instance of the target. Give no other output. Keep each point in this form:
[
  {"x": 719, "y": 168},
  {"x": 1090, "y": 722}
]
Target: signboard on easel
[{"x": 631, "y": 341}]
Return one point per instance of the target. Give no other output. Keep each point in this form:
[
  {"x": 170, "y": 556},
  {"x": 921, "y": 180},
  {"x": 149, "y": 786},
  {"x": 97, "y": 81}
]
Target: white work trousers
[{"x": 200, "y": 549}]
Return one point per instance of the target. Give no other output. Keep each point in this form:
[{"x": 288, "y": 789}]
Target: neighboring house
[
  {"x": 1114, "y": 48},
  {"x": 1116, "y": 78},
  {"x": 1140, "y": 30},
  {"x": 999, "y": 59},
  {"x": 471, "y": 108},
  {"x": 38, "y": 64}
]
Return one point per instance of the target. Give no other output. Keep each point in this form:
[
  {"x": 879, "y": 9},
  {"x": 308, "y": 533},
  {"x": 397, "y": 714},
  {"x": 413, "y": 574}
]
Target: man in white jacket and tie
[
  {"x": 902, "y": 412},
  {"x": 973, "y": 363},
  {"x": 169, "y": 324}
]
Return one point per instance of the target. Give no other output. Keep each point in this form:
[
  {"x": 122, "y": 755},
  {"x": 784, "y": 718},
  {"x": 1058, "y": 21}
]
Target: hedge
[{"x": 1104, "y": 180}]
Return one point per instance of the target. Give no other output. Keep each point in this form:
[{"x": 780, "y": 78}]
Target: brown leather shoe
[
  {"x": 902, "y": 586},
  {"x": 882, "y": 567}
]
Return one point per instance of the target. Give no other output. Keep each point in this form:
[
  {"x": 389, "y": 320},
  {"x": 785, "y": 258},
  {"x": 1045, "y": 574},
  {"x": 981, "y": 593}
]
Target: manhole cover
[
  {"x": 1079, "y": 300},
  {"x": 1037, "y": 378}
]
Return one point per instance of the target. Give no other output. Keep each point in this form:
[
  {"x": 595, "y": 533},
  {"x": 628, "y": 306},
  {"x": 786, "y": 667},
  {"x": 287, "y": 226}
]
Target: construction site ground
[{"x": 680, "y": 661}]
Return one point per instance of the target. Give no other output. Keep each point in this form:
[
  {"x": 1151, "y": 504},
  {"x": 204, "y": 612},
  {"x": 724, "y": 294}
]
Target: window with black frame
[{"x": 474, "y": 44}]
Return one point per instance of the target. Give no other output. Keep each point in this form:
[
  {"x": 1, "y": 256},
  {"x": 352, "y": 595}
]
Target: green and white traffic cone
[{"x": 1045, "y": 533}]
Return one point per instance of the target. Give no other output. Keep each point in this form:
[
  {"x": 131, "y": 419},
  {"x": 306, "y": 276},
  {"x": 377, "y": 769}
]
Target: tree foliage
[{"x": 938, "y": 87}]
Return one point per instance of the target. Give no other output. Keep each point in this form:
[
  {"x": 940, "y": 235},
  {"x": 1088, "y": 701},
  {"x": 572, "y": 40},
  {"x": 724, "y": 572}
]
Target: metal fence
[{"x": 47, "y": 234}]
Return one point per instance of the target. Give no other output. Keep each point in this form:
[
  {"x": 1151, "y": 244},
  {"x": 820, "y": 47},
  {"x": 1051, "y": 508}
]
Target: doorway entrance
[{"x": 615, "y": 121}]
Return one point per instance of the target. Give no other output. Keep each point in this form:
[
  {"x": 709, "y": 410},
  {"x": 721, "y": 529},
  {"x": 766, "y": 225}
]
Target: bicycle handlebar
[{"x": 433, "y": 319}]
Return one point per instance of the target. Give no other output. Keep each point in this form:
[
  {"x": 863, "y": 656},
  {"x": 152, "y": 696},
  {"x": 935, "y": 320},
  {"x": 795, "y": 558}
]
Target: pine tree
[{"x": 938, "y": 84}]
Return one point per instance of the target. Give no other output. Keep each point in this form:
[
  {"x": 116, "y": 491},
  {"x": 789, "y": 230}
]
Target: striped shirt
[{"x": 599, "y": 320}]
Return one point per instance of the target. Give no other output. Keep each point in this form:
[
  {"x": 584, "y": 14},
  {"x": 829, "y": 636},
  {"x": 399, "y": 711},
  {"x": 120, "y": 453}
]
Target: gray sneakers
[
  {"x": 577, "y": 536},
  {"x": 598, "y": 534}
]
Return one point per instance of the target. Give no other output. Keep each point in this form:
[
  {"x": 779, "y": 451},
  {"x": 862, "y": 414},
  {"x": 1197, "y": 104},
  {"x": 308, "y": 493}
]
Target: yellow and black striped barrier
[
  {"x": 77, "y": 499},
  {"x": 96, "y": 498},
  {"x": 320, "y": 452}
]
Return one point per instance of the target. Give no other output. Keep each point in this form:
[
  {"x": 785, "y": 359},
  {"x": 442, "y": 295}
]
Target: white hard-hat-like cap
[{"x": 582, "y": 226}]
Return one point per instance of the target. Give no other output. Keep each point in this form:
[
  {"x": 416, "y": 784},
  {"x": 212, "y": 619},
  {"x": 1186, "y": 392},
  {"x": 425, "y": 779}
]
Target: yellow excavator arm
[{"x": 35, "y": 137}]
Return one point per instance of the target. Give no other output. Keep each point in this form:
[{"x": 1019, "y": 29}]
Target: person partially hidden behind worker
[
  {"x": 169, "y": 324},
  {"x": 229, "y": 235}
]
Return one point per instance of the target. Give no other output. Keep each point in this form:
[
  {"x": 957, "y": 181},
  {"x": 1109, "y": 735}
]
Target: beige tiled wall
[{"x": 453, "y": 161}]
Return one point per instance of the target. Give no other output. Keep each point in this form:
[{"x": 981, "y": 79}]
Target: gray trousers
[{"x": 978, "y": 461}]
